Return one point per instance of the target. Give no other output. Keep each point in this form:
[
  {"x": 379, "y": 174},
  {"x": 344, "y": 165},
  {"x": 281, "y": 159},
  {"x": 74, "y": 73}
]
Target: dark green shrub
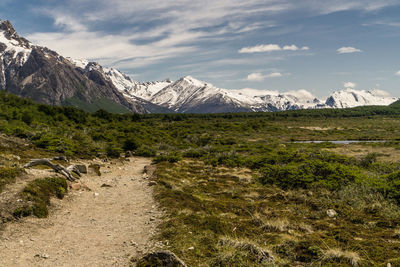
[
  {"x": 171, "y": 157},
  {"x": 7, "y": 175},
  {"x": 145, "y": 151},
  {"x": 130, "y": 144},
  {"x": 27, "y": 118},
  {"x": 368, "y": 160},
  {"x": 113, "y": 151},
  {"x": 39, "y": 192},
  {"x": 311, "y": 173}
]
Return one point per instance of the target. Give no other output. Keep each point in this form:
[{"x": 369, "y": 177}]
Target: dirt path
[{"x": 101, "y": 227}]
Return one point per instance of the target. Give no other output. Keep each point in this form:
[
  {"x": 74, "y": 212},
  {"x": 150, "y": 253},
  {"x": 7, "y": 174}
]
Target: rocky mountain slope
[{"x": 43, "y": 75}]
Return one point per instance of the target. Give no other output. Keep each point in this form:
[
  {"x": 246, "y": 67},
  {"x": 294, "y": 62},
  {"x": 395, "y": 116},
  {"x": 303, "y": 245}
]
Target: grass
[
  {"x": 340, "y": 256},
  {"x": 37, "y": 196},
  {"x": 8, "y": 175},
  {"x": 229, "y": 221}
]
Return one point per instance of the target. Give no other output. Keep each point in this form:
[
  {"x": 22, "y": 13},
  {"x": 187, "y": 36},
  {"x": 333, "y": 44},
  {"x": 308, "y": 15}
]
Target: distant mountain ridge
[
  {"x": 45, "y": 76},
  {"x": 189, "y": 95}
]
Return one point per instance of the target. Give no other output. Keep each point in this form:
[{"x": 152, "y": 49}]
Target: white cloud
[
  {"x": 397, "y": 73},
  {"x": 176, "y": 27},
  {"x": 348, "y": 50},
  {"x": 257, "y": 76},
  {"x": 350, "y": 85},
  {"x": 271, "y": 48}
]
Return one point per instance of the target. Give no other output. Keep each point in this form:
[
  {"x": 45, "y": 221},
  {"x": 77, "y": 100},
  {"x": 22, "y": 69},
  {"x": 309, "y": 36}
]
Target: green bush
[
  {"x": 113, "y": 151},
  {"x": 38, "y": 193},
  {"x": 393, "y": 186},
  {"x": 309, "y": 174},
  {"x": 7, "y": 175},
  {"x": 130, "y": 144},
  {"x": 171, "y": 157},
  {"x": 145, "y": 151}
]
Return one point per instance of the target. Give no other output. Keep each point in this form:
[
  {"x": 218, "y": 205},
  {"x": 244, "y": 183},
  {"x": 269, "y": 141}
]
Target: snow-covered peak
[
  {"x": 12, "y": 45},
  {"x": 80, "y": 63},
  {"x": 193, "y": 81},
  {"x": 349, "y": 98}
]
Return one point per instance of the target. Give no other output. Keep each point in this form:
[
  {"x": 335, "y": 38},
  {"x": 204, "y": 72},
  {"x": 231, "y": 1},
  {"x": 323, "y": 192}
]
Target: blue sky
[{"x": 264, "y": 44}]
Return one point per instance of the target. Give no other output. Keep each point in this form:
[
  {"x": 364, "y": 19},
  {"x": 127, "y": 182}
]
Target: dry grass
[
  {"x": 278, "y": 225},
  {"x": 261, "y": 254},
  {"x": 283, "y": 225},
  {"x": 336, "y": 254},
  {"x": 386, "y": 154}
]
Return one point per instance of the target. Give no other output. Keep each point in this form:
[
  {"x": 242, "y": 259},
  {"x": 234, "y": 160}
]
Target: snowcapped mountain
[
  {"x": 43, "y": 75},
  {"x": 259, "y": 100},
  {"x": 349, "y": 98},
  {"x": 189, "y": 95}
]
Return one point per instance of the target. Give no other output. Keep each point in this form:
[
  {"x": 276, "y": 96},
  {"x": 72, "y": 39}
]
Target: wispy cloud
[
  {"x": 397, "y": 73},
  {"x": 271, "y": 48},
  {"x": 258, "y": 76},
  {"x": 177, "y": 27},
  {"x": 348, "y": 50},
  {"x": 350, "y": 85}
]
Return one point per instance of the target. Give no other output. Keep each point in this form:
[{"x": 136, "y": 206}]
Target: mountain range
[{"x": 45, "y": 76}]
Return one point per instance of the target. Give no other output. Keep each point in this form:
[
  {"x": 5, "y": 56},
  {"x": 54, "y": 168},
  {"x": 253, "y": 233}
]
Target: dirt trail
[{"x": 101, "y": 227}]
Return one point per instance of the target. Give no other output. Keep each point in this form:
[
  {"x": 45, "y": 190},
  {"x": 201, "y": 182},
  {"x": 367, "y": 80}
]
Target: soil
[{"x": 103, "y": 221}]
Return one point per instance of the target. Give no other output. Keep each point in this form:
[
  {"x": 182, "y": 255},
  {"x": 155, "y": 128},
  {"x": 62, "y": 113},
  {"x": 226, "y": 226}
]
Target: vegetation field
[{"x": 236, "y": 189}]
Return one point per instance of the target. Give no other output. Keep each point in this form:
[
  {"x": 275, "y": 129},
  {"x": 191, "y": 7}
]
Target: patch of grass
[
  {"x": 38, "y": 193},
  {"x": 338, "y": 255},
  {"x": 8, "y": 175}
]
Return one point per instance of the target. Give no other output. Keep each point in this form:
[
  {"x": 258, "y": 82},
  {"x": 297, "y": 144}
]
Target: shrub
[
  {"x": 145, "y": 151},
  {"x": 171, "y": 157},
  {"x": 130, "y": 144},
  {"x": 39, "y": 192},
  {"x": 308, "y": 174},
  {"x": 7, "y": 175},
  {"x": 113, "y": 151}
]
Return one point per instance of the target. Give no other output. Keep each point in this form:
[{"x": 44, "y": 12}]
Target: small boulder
[
  {"x": 331, "y": 213},
  {"x": 75, "y": 186},
  {"x": 81, "y": 168}
]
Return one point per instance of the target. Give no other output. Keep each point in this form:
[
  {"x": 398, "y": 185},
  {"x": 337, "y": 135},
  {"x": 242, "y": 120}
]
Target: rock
[
  {"x": 161, "y": 258},
  {"x": 152, "y": 183},
  {"x": 331, "y": 213},
  {"x": 81, "y": 168},
  {"x": 128, "y": 154},
  {"x": 43, "y": 256},
  {"x": 96, "y": 194},
  {"x": 82, "y": 187},
  {"x": 105, "y": 185},
  {"x": 76, "y": 186},
  {"x": 191, "y": 248}
]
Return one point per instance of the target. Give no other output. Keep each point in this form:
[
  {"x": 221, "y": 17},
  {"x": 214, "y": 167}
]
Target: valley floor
[{"x": 103, "y": 226}]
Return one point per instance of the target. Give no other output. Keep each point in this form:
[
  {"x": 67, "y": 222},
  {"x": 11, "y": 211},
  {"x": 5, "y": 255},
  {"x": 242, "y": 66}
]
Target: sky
[{"x": 284, "y": 45}]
